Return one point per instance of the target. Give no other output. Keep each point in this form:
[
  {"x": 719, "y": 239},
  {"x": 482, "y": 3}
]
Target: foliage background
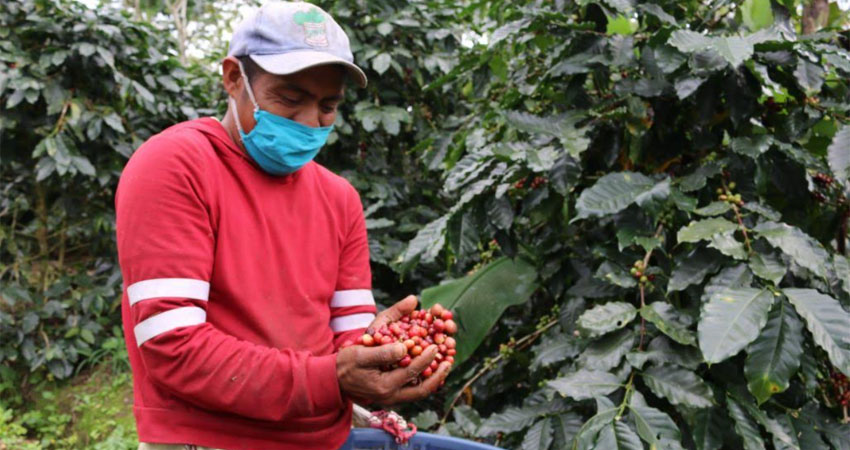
[{"x": 572, "y": 138}]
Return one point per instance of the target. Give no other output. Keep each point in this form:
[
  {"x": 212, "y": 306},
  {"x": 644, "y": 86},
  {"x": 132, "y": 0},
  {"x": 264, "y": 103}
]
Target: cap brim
[{"x": 289, "y": 63}]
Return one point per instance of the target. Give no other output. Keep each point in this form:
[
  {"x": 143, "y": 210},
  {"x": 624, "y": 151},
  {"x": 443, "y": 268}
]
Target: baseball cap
[{"x": 287, "y": 37}]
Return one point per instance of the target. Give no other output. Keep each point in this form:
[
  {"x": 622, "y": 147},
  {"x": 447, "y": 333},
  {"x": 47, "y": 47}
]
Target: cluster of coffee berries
[
  {"x": 840, "y": 388},
  {"x": 417, "y": 331},
  {"x": 726, "y": 195},
  {"x": 823, "y": 179},
  {"x": 534, "y": 184},
  {"x": 639, "y": 272}
]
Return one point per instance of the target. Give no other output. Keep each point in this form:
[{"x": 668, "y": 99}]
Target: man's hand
[{"x": 359, "y": 371}]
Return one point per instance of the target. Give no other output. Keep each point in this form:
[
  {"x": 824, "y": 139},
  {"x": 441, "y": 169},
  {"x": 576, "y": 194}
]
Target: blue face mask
[{"x": 280, "y": 146}]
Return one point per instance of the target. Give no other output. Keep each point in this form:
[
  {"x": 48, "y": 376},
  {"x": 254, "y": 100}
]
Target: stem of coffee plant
[
  {"x": 642, "y": 287},
  {"x": 520, "y": 344}
]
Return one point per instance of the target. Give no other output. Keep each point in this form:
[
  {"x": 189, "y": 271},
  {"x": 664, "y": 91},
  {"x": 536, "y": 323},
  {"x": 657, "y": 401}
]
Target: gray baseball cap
[{"x": 286, "y": 37}]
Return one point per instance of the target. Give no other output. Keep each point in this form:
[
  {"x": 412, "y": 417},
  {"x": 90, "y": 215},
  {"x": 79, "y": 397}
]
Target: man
[{"x": 246, "y": 264}]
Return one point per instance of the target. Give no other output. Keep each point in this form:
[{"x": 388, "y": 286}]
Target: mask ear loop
[{"x": 250, "y": 95}]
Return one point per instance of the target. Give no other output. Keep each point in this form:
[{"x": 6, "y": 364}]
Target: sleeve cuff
[{"x": 326, "y": 395}]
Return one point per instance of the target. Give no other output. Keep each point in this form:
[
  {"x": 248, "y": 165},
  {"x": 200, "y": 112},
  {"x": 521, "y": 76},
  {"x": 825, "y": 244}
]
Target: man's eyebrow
[{"x": 305, "y": 92}]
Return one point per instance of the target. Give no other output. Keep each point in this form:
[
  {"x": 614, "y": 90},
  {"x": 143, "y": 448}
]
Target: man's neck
[{"x": 229, "y": 124}]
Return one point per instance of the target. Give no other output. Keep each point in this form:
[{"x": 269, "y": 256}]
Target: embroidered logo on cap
[{"x": 313, "y": 22}]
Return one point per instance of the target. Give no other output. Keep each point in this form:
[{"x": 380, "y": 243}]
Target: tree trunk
[
  {"x": 815, "y": 15},
  {"x": 178, "y": 14}
]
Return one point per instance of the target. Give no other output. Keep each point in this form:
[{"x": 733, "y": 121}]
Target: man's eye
[{"x": 290, "y": 100}]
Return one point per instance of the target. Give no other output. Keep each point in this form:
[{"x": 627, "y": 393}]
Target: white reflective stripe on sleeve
[
  {"x": 168, "y": 287},
  {"x": 351, "y": 322},
  {"x": 168, "y": 320},
  {"x": 352, "y": 297}
]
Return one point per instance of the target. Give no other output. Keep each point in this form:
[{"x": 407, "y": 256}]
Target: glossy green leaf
[
  {"x": 539, "y": 436},
  {"x": 479, "y": 299},
  {"x": 679, "y": 386},
  {"x": 731, "y": 320},
  {"x": 828, "y": 322},
  {"x": 652, "y": 424},
  {"x": 768, "y": 266},
  {"x": 714, "y": 209},
  {"x": 606, "y": 352},
  {"x": 605, "y": 318},
  {"x": 804, "y": 249},
  {"x": 774, "y": 357},
  {"x": 692, "y": 269},
  {"x": 612, "y": 193},
  {"x": 704, "y": 229},
  {"x": 757, "y": 14},
  {"x": 617, "y": 435},
  {"x": 838, "y": 155},
  {"x": 666, "y": 319},
  {"x": 554, "y": 348},
  {"x": 708, "y": 428},
  {"x": 566, "y": 426},
  {"x": 746, "y": 428},
  {"x": 584, "y": 384}
]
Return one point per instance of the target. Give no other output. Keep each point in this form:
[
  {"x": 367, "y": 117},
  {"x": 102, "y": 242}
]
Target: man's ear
[{"x": 231, "y": 76}]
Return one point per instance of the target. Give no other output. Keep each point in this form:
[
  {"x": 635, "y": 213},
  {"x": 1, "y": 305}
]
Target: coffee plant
[{"x": 677, "y": 172}]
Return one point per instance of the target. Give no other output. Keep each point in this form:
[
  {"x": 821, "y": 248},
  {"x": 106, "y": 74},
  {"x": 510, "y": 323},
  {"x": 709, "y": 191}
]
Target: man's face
[{"x": 309, "y": 97}]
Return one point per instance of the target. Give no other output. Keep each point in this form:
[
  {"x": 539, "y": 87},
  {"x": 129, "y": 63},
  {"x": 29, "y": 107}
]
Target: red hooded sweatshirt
[{"x": 239, "y": 287}]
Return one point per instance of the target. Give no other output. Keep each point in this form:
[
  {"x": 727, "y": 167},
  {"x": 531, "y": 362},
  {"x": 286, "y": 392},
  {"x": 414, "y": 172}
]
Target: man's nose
[{"x": 309, "y": 116}]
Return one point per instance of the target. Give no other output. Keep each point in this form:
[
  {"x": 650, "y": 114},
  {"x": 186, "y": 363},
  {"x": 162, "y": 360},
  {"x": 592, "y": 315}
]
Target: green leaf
[
  {"x": 838, "y": 155},
  {"x": 539, "y": 436},
  {"x": 385, "y": 28},
  {"x": 605, "y": 414},
  {"x": 842, "y": 270},
  {"x": 757, "y": 14},
  {"x": 615, "y": 275},
  {"x": 708, "y": 428},
  {"x": 704, "y": 229},
  {"x": 612, "y": 193},
  {"x": 478, "y": 300},
  {"x": 607, "y": 352},
  {"x": 745, "y": 426},
  {"x": 774, "y": 357},
  {"x": 467, "y": 419},
  {"x": 794, "y": 434},
  {"x": 426, "y": 419},
  {"x": 768, "y": 266},
  {"x": 511, "y": 420},
  {"x": 83, "y": 165},
  {"x": 114, "y": 122},
  {"x": 804, "y": 249},
  {"x": 381, "y": 63},
  {"x": 714, "y": 209},
  {"x": 728, "y": 245},
  {"x": 734, "y": 49},
  {"x": 428, "y": 241},
  {"x": 679, "y": 386},
  {"x": 554, "y": 348},
  {"x": 617, "y": 436},
  {"x": 828, "y": 322},
  {"x": 809, "y": 76},
  {"x": 652, "y": 424},
  {"x": 86, "y": 49},
  {"x": 731, "y": 320},
  {"x": 621, "y": 25},
  {"x": 692, "y": 269},
  {"x": 663, "y": 316},
  {"x": 663, "y": 351},
  {"x": 752, "y": 146},
  {"x": 585, "y": 384},
  {"x": 566, "y": 426},
  {"x": 561, "y": 126},
  {"x": 605, "y": 318}
]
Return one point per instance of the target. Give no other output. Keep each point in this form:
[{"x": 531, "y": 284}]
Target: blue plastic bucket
[{"x": 372, "y": 439}]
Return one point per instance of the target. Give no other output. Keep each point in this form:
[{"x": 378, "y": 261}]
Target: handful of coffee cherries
[{"x": 417, "y": 331}]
